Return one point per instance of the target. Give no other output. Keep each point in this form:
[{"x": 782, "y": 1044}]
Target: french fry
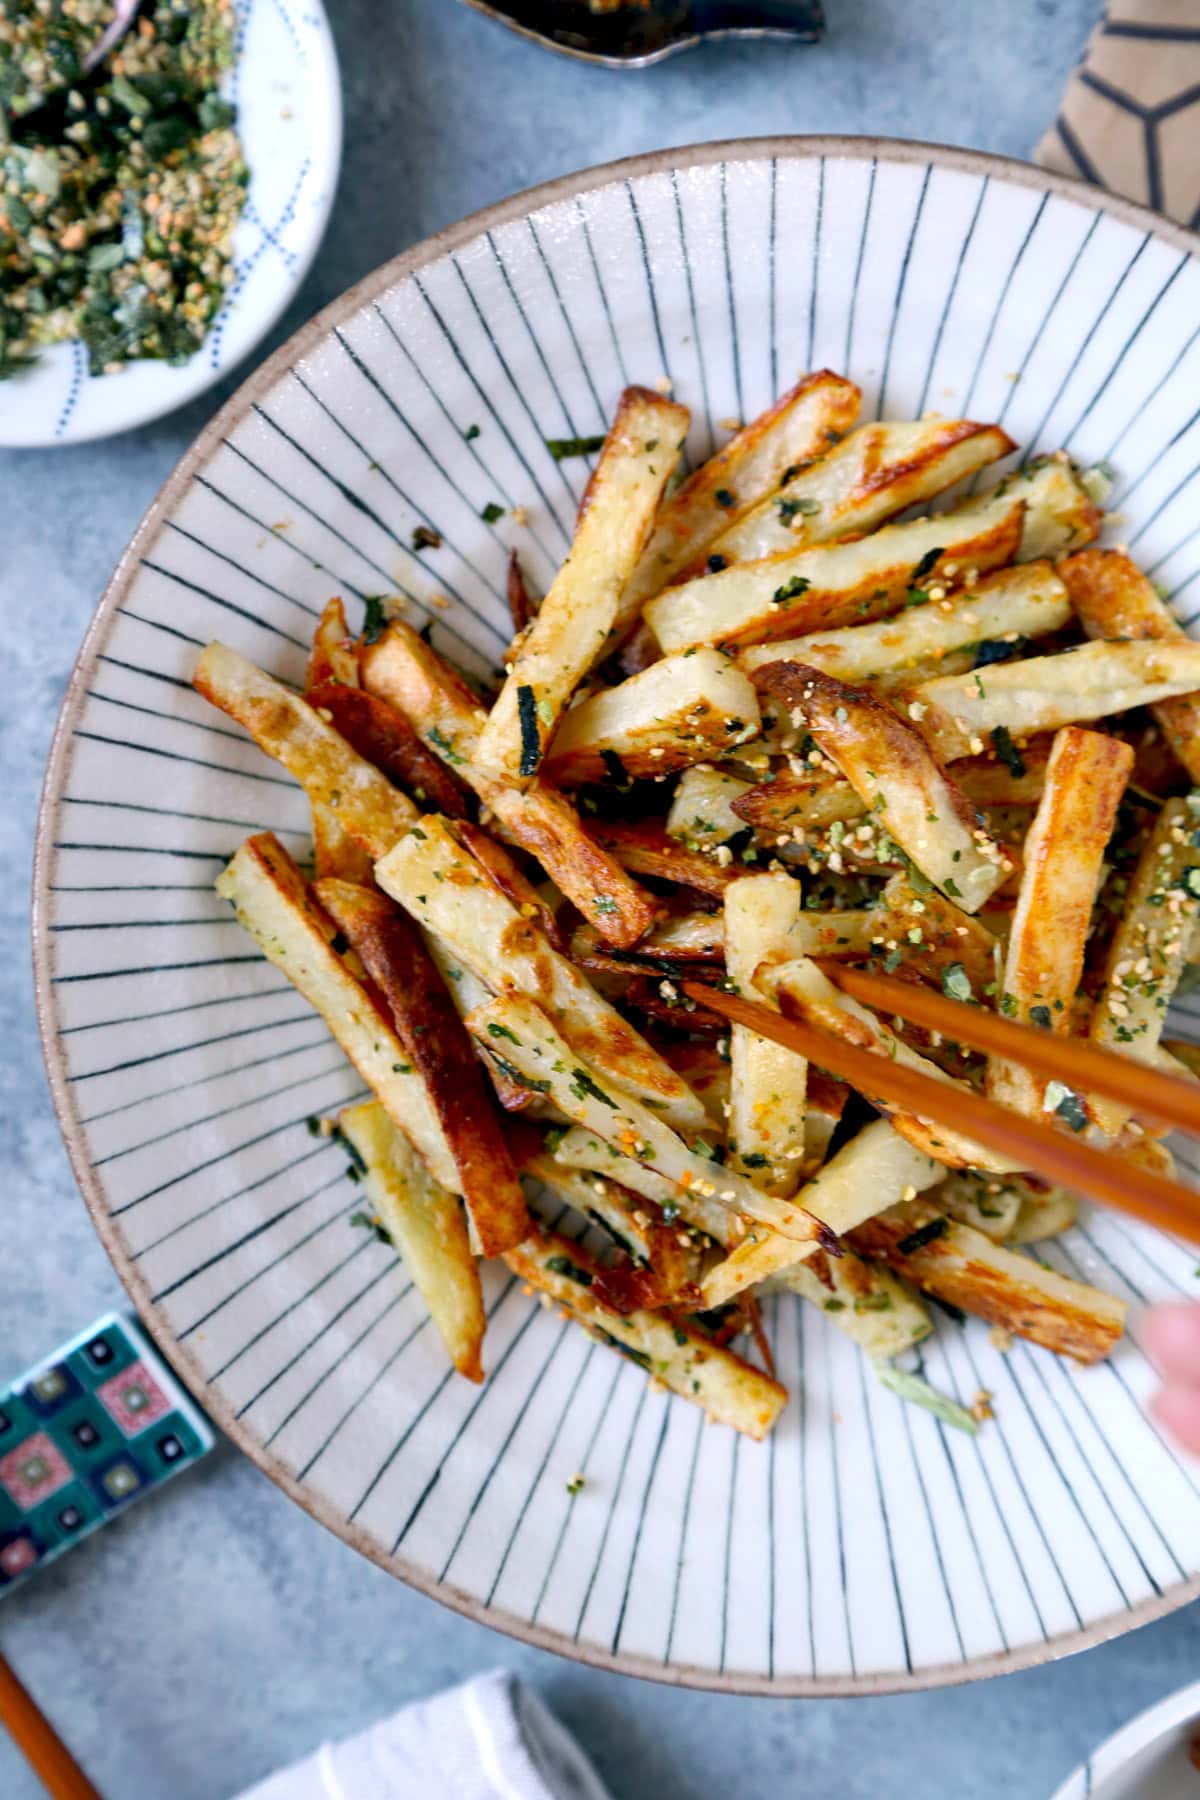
[
  {"x": 633, "y": 1222},
  {"x": 1043, "y": 1216},
  {"x": 508, "y": 880},
  {"x": 513, "y": 1030},
  {"x": 1022, "y": 602},
  {"x": 1115, "y": 600},
  {"x": 383, "y": 736},
  {"x": 804, "y": 992},
  {"x": 767, "y": 1082},
  {"x": 521, "y": 604},
  {"x": 275, "y": 906},
  {"x": 333, "y": 656},
  {"x": 439, "y": 1048},
  {"x": 578, "y": 1148},
  {"x": 1149, "y": 948},
  {"x": 1020, "y": 1295},
  {"x": 871, "y": 1172},
  {"x": 958, "y": 715},
  {"x": 873, "y": 474},
  {"x": 932, "y": 934},
  {"x": 648, "y": 850},
  {"x": 335, "y": 853},
  {"x": 895, "y": 774},
  {"x": 426, "y": 1225},
  {"x": 1064, "y": 854},
  {"x": 987, "y": 1203},
  {"x": 682, "y": 710},
  {"x": 878, "y": 1311},
  {"x": 730, "y": 1391},
  {"x": 402, "y": 668},
  {"x": 366, "y": 805},
  {"x": 443, "y": 887},
  {"x": 799, "y": 801},
  {"x": 702, "y": 814},
  {"x": 573, "y": 625},
  {"x": 815, "y": 589},
  {"x": 796, "y": 429},
  {"x": 1060, "y": 514}
]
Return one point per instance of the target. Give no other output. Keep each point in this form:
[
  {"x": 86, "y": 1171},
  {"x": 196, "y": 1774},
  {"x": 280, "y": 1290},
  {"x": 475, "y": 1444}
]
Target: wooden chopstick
[
  {"x": 1082, "y": 1065},
  {"x": 1028, "y": 1143},
  {"x": 36, "y": 1738}
]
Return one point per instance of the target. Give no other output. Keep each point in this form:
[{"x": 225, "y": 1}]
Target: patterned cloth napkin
[
  {"x": 1130, "y": 118},
  {"x": 491, "y": 1739}
]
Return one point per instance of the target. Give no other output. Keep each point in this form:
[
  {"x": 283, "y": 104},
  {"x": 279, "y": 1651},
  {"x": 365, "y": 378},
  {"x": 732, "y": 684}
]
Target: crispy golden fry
[
  {"x": 579, "y": 1148},
  {"x": 521, "y": 604},
  {"x": 831, "y": 585},
  {"x": 406, "y": 671},
  {"x": 508, "y": 880},
  {"x": 729, "y": 1390},
  {"x": 791, "y": 801},
  {"x": 574, "y": 622},
  {"x": 439, "y": 1048},
  {"x": 367, "y": 807},
  {"x": 633, "y": 1221},
  {"x": 334, "y": 656},
  {"x": 1115, "y": 600},
  {"x": 873, "y": 1171},
  {"x": 277, "y": 909},
  {"x": 881, "y": 1313},
  {"x": 799, "y": 427},
  {"x": 426, "y": 1225},
  {"x": 1060, "y": 514},
  {"x": 1149, "y": 949},
  {"x": 334, "y": 853},
  {"x": 648, "y": 850},
  {"x": 682, "y": 710},
  {"x": 448, "y": 892},
  {"x": 1022, "y": 602},
  {"x": 383, "y": 736},
  {"x": 958, "y": 715},
  {"x": 895, "y": 774},
  {"x": 873, "y": 474},
  {"x": 932, "y": 934},
  {"x": 1064, "y": 854},
  {"x": 513, "y": 1030},
  {"x": 965, "y": 1268},
  {"x": 804, "y": 992},
  {"x": 767, "y": 1082},
  {"x": 702, "y": 814}
]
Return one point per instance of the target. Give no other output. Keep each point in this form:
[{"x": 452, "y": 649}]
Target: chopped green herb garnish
[
  {"x": 560, "y": 448},
  {"x": 927, "y": 564},
  {"x": 374, "y": 618},
  {"x": 583, "y": 1087},
  {"x": 956, "y": 983},
  {"x": 501, "y": 1031},
  {"x": 1007, "y": 751},
  {"x": 1041, "y": 1015},
  {"x": 562, "y": 1265},
  {"x": 531, "y": 742},
  {"x": 723, "y": 497},
  {"x": 471, "y": 433},
  {"x": 915, "y": 1388},
  {"x": 716, "y": 564},
  {"x": 491, "y": 512},
  {"x": 924, "y": 1234},
  {"x": 791, "y": 590},
  {"x": 368, "y": 1222},
  {"x": 440, "y": 741},
  {"x": 1064, "y": 1101}
]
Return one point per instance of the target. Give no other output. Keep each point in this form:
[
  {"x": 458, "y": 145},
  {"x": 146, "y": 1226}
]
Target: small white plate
[
  {"x": 1147, "y": 1759},
  {"x": 286, "y": 87}
]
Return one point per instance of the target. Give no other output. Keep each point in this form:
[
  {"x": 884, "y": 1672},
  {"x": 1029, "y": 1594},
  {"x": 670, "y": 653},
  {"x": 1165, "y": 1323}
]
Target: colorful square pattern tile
[{"x": 98, "y": 1424}]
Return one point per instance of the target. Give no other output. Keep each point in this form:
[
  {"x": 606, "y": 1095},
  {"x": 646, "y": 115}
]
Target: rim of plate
[
  {"x": 1139, "y": 1733},
  {"x": 388, "y": 275},
  {"x": 326, "y": 81}
]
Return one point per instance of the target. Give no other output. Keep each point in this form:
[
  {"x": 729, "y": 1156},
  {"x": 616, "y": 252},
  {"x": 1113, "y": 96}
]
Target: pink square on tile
[
  {"x": 133, "y": 1399},
  {"x": 33, "y": 1471}
]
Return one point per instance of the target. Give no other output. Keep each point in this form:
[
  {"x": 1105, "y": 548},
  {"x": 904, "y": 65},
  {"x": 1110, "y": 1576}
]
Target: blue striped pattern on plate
[{"x": 864, "y": 1545}]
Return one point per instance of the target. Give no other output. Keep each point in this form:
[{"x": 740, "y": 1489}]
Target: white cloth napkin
[{"x": 491, "y": 1739}]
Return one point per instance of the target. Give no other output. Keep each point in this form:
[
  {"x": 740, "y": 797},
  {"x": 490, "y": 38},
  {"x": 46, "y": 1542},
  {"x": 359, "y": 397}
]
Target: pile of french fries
[{"x": 769, "y": 715}]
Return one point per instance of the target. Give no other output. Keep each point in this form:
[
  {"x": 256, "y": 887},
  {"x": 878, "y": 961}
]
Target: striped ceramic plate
[{"x": 864, "y": 1545}]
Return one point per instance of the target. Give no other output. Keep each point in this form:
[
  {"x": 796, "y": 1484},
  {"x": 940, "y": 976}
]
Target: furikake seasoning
[{"x": 120, "y": 190}]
